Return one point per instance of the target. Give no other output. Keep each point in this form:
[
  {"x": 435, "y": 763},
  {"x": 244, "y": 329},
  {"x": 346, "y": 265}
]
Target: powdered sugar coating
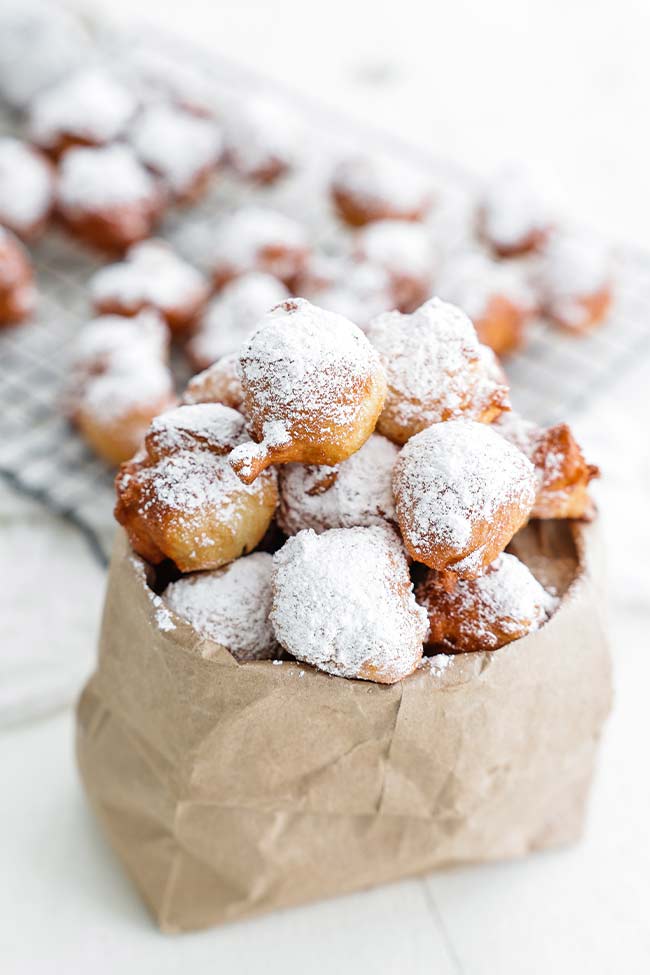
[
  {"x": 230, "y": 606},
  {"x": 209, "y": 426},
  {"x": 301, "y": 370},
  {"x": 572, "y": 266},
  {"x": 453, "y": 476},
  {"x": 377, "y": 180},
  {"x": 513, "y": 210},
  {"x": 111, "y": 175},
  {"x": 233, "y": 315},
  {"x": 26, "y": 186},
  {"x": 343, "y": 602},
  {"x": 358, "y": 290},
  {"x": 127, "y": 386},
  {"x": 109, "y": 337},
  {"x": 433, "y": 365},
  {"x": 472, "y": 280},
  {"x": 261, "y": 136},
  {"x": 177, "y": 145},
  {"x": 150, "y": 274},
  {"x": 240, "y": 240},
  {"x": 504, "y": 603},
  {"x": 89, "y": 105},
  {"x": 357, "y": 492},
  {"x": 401, "y": 247}
]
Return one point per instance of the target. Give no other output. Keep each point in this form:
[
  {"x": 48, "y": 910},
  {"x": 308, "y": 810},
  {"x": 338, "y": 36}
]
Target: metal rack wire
[{"x": 553, "y": 377}]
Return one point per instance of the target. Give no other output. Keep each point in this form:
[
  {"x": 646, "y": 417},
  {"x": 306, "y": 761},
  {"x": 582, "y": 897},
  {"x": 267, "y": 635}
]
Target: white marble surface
[{"x": 562, "y": 83}]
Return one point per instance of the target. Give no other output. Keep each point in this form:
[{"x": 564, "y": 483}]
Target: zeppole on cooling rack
[{"x": 156, "y": 203}]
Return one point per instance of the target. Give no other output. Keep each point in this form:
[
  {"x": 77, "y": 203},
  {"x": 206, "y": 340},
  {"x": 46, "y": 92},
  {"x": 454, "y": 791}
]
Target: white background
[{"x": 563, "y": 85}]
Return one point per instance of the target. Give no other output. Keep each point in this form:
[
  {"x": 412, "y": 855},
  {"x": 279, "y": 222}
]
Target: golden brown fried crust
[
  {"x": 565, "y": 476},
  {"x": 309, "y": 442},
  {"x": 459, "y": 620},
  {"x": 117, "y": 440},
  {"x": 114, "y": 229},
  {"x": 17, "y": 292},
  {"x": 358, "y": 213},
  {"x": 501, "y": 327},
  {"x": 228, "y": 522}
]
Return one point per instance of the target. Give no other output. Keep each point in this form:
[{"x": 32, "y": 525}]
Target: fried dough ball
[
  {"x": 357, "y": 492},
  {"x": 151, "y": 276},
  {"x": 88, "y": 108},
  {"x": 494, "y": 295},
  {"x": 220, "y": 383},
  {"x": 434, "y": 368},
  {"x": 232, "y": 316},
  {"x": 106, "y": 198},
  {"x": 575, "y": 282},
  {"x": 502, "y": 605},
  {"x": 404, "y": 250},
  {"x": 179, "y": 498},
  {"x": 17, "y": 290},
  {"x": 261, "y": 139},
  {"x": 461, "y": 492},
  {"x": 119, "y": 381},
  {"x": 181, "y": 148},
  {"x": 563, "y": 475},
  {"x": 343, "y": 601},
  {"x": 256, "y": 239},
  {"x": 26, "y": 188},
  {"x": 230, "y": 605},
  {"x": 313, "y": 387},
  {"x": 514, "y": 217},
  {"x": 367, "y": 188}
]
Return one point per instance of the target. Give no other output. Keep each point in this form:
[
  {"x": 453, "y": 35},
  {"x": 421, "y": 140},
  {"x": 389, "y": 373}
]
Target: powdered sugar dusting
[
  {"x": 304, "y": 363},
  {"x": 107, "y": 176},
  {"x": 220, "y": 383},
  {"x": 26, "y": 185},
  {"x": 210, "y": 425},
  {"x": 433, "y": 364},
  {"x": 176, "y": 144},
  {"x": 513, "y": 208},
  {"x": 89, "y": 105},
  {"x": 230, "y": 606},
  {"x": 358, "y": 492},
  {"x": 380, "y": 180},
  {"x": 472, "y": 280},
  {"x": 260, "y": 133},
  {"x": 502, "y": 604},
  {"x": 572, "y": 267},
  {"x": 344, "y": 603},
  {"x": 239, "y": 240},
  {"x": 234, "y": 313},
  {"x": 399, "y": 246},
  {"x": 451, "y": 475},
  {"x": 151, "y": 273}
]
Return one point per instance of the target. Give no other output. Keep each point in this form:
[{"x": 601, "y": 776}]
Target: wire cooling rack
[{"x": 553, "y": 377}]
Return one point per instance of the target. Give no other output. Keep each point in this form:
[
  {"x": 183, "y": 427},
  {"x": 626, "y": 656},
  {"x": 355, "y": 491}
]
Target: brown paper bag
[{"x": 229, "y": 789}]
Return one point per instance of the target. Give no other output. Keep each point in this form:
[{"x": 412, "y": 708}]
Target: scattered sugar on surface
[{"x": 209, "y": 424}]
